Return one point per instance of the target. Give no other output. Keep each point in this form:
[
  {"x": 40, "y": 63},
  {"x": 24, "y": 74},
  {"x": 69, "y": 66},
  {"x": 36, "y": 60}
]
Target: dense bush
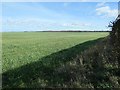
[{"x": 115, "y": 37}]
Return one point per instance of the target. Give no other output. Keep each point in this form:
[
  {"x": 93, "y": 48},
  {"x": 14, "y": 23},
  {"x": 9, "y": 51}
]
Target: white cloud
[
  {"x": 33, "y": 24},
  {"x": 106, "y": 11},
  {"x": 100, "y": 4},
  {"x": 76, "y": 24}
]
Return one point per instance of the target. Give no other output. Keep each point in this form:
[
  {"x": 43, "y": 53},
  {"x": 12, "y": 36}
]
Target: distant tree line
[{"x": 73, "y": 31}]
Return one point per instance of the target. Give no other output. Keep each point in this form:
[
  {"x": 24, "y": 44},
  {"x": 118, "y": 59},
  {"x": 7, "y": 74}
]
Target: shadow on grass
[{"x": 43, "y": 73}]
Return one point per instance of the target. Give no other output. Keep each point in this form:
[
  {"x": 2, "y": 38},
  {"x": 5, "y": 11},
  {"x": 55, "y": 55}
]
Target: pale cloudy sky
[{"x": 39, "y": 16}]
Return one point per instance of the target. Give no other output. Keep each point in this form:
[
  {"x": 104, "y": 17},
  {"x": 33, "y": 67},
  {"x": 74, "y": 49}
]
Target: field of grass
[{"x": 28, "y": 57}]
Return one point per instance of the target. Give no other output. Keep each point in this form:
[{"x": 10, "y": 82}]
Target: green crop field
[{"x": 22, "y": 52}]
